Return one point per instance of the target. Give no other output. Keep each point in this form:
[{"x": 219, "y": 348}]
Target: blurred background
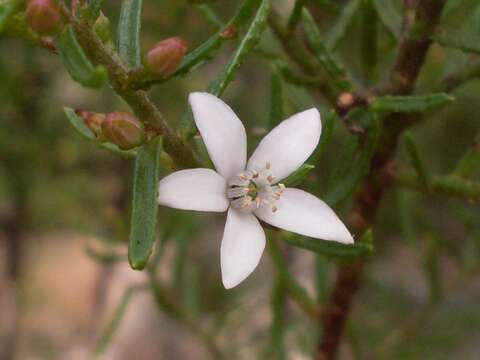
[{"x": 66, "y": 289}]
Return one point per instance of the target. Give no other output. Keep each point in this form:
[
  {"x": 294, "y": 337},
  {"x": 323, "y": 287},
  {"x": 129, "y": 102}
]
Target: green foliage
[
  {"x": 332, "y": 248},
  {"x": 7, "y": 9},
  {"x": 416, "y": 103},
  {"x": 227, "y": 75},
  {"x": 359, "y": 163},
  {"x": 94, "y": 7},
  {"x": 343, "y": 23},
  {"x": 248, "y": 43},
  {"x": 423, "y": 175},
  {"x": 298, "y": 176},
  {"x": 76, "y": 62},
  {"x": 389, "y": 15},
  {"x": 355, "y": 169},
  {"x": 334, "y": 69},
  {"x": 143, "y": 224},
  {"x": 129, "y": 25},
  {"x": 276, "y": 100}
]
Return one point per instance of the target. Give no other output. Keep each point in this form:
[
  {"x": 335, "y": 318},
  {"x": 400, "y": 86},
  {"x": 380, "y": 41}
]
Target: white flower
[{"x": 251, "y": 190}]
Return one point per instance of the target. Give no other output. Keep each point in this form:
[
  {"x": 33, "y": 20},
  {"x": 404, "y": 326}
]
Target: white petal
[
  {"x": 302, "y": 213},
  {"x": 289, "y": 144},
  {"x": 222, "y": 132},
  {"x": 194, "y": 189},
  {"x": 242, "y": 247}
]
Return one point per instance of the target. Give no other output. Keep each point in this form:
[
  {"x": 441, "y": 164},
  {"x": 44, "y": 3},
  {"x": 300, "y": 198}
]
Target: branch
[
  {"x": 138, "y": 100},
  {"x": 413, "y": 48}
]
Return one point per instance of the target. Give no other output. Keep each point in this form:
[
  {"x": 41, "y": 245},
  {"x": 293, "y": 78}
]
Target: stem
[
  {"x": 413, "y": 48},
  {"x": 138, "y": 100}
]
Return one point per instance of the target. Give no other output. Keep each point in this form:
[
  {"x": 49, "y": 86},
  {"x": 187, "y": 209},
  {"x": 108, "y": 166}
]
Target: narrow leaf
[
  {"x": 359, "y": 167},
  {"x": 469, "y": 162},
  {"x": 343, "y": 23},
  {"x": 276, "y": 101},
  {"x": 389, "y": 15},
  {"x": 129, "y": 32},
  {"x": 78, "y": 124},
  {"x": 83, "y": 130},
  {"x": 144, "y": 210},
  {"x": 298, "y": 176},
  {"x": 206, "y": 50},
  {"x": 327, "y": 131},
  {"x": 248, "y": 43},
  {"x": 227, "y": 75},
  {"x": 415, "y": 103},
  {"x": 322, "y": 54},
  {"x": 7, "y": 8},
  {"x": 77, "y": 63},
  {"x": 94, "y": 8},
  {"x": 332, "y": 248},
  {"x": 210, "y": 16},
  {"x": 417, "y": 163},
  {"x": 119, "y": 313}
]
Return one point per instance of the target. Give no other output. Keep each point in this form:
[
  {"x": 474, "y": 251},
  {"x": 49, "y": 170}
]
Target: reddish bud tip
[
  {"x": 93, "y": 121},
  {"x": 165, "y": 57},
  {"x": 229, "y": 32},
  {"x": 43, "y": 16},
  {"x": 123, "y": 129}
]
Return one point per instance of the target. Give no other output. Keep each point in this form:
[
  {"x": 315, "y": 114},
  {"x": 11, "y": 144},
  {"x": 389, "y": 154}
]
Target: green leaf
[
  {"x": 210, "y": 16},
  {"x": 83, "y": 130},
  {"x": 77, "y": 63},
  {"x": 206, "y": 50},
  {"x": 327, "y": 132},
  {"x": 465, "y": 39},
  {"x": 418, "y": 165},
  {"x": 298, "y": 176},
  {"x": 248, "y": 43},
  {"x": 129, "y": 25},
  {"x": 457, "y": 40},
  {"x": 431, "y": 265},
  {"x": 119, "y": 313},
  {"x": 414, "y": 103},
  {"x": 78, "y": 124},
  {"x": 333, "y": 248},
  {"x": 276, "y": 101},
  {"x": 322, "y": 54},
  {"x": 389, "y": 15},
  {"x": 357, "y": 167},
  {"x": 7, "y": 8},
  {"x": 94, "y": 7},
  {"x": 144, "y": 209},
  {"x": 343, "y": 23},
  {"x": 227, "y": 75},
  {"x": 296, "y": 291},
  {"x": 469, "y": 162}
]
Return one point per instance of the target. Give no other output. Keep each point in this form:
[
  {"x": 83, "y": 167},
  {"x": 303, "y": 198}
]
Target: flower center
[{"x": 252, "y": 189}]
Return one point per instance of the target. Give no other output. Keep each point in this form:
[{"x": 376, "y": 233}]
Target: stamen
[{"x": 253, "y": 189}]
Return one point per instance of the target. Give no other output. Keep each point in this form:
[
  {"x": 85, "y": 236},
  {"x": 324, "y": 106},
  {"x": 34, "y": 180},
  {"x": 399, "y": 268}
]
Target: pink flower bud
[
  {"x": 43, "y": 16},
  {"x": 93, "y": 121},
  {"x": 123, "y": 129},
  {"x": 165, "y": 57}
]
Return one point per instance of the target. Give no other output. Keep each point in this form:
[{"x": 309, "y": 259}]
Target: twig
[
  {"x": 413, "y": 48},
  {"x": 138, "y": 100}
]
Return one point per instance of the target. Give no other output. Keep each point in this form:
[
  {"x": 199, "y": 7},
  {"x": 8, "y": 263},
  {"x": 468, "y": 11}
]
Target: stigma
[{"x": 251, "y": 190}]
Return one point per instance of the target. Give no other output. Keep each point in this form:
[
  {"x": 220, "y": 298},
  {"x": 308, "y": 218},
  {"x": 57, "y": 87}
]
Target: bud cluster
[{"x": 120, "y": 128}]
